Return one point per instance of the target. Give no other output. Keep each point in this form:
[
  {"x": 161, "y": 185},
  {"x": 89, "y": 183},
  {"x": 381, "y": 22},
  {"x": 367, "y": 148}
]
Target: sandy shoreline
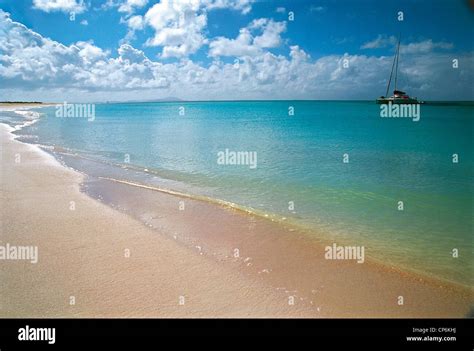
[
  {"x": 82, "y": 254},
  {"x": 12, "y": 106}
]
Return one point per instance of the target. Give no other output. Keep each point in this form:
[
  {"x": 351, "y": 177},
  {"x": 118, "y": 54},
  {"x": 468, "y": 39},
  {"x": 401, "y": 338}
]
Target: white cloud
[
  {"x": 89, "y": 52},
  {"x": 244, "y": 6},
  {"x": 109, "y": 4},
  {"x": 381, "y": 41},
  {"x": 240, "y": 46},
  {"x": 84, "y": 22},
  {"x": 32, "y": 61},
  {"x": 280, "y": 10},
  {"x": 132, "y": 55},
  {"x": 424, "y": 46},
  {"x": 178, "y": 27},
  {"x": 59, "y": 5},
  {"x": 248, "y": 44},
  {"x": 135, "y": 22},
  {"x": 271, "y": 30},
  {"x": 129, "y": 6}
]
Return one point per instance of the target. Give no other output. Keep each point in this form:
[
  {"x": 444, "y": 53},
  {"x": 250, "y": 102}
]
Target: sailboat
[{"x": 398, "y": 97}]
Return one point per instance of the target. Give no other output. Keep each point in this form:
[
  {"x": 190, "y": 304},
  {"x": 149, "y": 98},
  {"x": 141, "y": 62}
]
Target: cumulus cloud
[
  {"x": 240, "y": 46},
  {"x": 247, "y": 43},
  {"x": 128, "y": 54},
  {"x": 271, "y": 30},
  {"x": 179, "y": 25},
  {"x": 245, "y": 6},
  {"x": 129, "y": 6},
  {"x": 425, "y": 46},
  {"x": 381, "y": 41},
  {"x": 89, "y": 52},
  {"x": 135, "y": 22},
  {"x": 27, "y": 59},
  {"x": 66, "y": 6}
]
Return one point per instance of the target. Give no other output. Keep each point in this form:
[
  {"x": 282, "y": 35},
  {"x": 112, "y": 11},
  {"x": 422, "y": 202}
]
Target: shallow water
[{"x": 300, "y": 163}]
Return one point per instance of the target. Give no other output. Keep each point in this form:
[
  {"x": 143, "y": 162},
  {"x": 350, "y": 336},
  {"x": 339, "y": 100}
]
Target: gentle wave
[
  {"x": 28, "y": 114},
  {"x": 31, "y": 117},
  {"x": 216, "y": 201}
]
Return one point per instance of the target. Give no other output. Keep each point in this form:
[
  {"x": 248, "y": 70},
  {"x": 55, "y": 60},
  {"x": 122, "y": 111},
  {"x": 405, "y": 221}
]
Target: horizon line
[{"x": 219, "y": 100}]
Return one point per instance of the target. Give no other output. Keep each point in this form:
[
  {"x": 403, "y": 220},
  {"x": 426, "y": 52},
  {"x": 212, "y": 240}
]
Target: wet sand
[{"x": 224, "y": 262}]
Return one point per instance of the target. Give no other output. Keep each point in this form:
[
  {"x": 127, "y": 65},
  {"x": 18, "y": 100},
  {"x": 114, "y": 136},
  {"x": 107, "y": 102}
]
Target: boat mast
[
  {"x": 396, "y": 66},
  {"x": 395, "y": 59}
]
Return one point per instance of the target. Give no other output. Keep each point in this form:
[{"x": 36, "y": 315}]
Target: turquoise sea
[{"x": 300, "y": 173}]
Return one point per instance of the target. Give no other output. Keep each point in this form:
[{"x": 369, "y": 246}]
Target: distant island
[{"x": 21, "y": 102}]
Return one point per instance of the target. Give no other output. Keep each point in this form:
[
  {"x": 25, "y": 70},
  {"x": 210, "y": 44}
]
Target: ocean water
[{"x": 300, "y": 176}]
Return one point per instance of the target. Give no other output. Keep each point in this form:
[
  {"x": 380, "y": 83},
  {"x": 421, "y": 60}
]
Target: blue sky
[{"x": 232, "y": 49}]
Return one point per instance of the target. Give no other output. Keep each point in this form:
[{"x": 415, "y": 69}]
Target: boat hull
[{"x": 396, "y": 101}]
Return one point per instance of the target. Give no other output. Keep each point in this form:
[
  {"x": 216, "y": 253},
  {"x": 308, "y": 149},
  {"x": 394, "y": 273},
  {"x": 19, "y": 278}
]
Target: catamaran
[{"x": 398, "y": 97}]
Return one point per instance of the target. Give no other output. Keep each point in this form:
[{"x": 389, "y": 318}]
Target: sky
[{"x": 122, "y": 50}]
